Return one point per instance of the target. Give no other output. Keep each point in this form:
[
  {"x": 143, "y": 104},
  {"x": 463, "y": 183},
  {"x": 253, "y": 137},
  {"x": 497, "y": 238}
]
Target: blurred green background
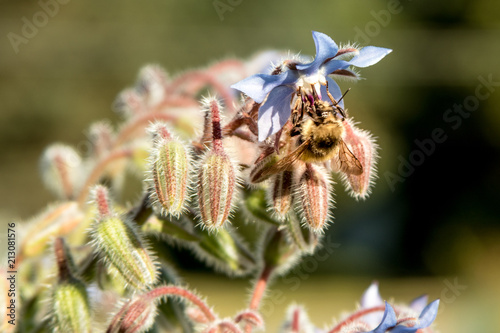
[{"x": 424, "y": 228}]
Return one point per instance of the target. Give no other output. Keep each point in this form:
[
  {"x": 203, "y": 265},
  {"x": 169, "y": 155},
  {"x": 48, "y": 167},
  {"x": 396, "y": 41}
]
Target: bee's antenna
[{"x": 343, "y": 95}]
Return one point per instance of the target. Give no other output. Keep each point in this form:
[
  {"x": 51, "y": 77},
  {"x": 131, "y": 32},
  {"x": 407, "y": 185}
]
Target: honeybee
[{"x": 319, "y": 140}]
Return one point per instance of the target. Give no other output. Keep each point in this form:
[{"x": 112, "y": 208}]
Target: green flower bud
[
  {"x": 70, "y": 303},
  {"x": 256, "y": 204},
  {"x": 224, "y": 251},
  {"x": 71, "y": 311},
  {"x": 120, "y": 245},
  {"x": 279, "y": 253},
  {"x": 169, "y": 172}
]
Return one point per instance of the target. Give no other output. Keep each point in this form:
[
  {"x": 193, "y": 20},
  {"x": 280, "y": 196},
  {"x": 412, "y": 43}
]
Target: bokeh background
[{"x": 432, "y": 227}]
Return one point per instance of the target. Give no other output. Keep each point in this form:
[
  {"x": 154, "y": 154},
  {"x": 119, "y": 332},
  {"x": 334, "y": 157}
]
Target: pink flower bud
[
  {"x": 280, "y": 193},
  {"x": 137, "y": 315},
  {"x": 101, "y": 136},
  {"x": 313, "y": 193},
  {"x": 216, "y": 176},
  {"x": 363, "y": 146},
  {"x": 216, "y": 187},
  {"x": 60, "y": 166}
]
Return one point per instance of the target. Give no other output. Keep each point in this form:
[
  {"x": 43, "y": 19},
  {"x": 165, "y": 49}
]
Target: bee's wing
[
  {"x": 347, "y": 162},
  {"x": 286, "y": 162}
]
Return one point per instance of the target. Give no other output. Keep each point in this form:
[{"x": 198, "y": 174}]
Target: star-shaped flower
[
  {"x": 390, "y": 322},
  {"x": 294, "y": 79}
]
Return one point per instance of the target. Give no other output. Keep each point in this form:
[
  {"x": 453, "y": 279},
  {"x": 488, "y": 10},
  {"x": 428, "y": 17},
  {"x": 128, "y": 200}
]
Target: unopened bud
[
  {"x": 56, "y": 220},
  {"x": 152, "y": 83},
  {"x": 313, "y": 193},
  {"x": 70, "y": 303},
  {"x": 136, "y": 316},
  {"x": 101, "y": 136},
  {"x": 250, "y": 317},
  {"x": 263, "y": 164},
  {"x": 280, "y": 193},
  {"x": 363, "y": 146},
  {"x": 297, "y": 320},
  {"x": 216, "y": 187},
  {"x": 216, "y": 176},
  {"x": 120, "y": 245},
  {"x": 169, "y": 171},
  {"x": 224, "y": 251},
  {"x": 255, "y": 201},
  {"x": 279, "y": 253},
  {"x": 59, "y": 168}
]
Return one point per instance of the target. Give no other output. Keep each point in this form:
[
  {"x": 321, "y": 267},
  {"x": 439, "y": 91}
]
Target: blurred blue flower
[
  {"x": 389, "y": 321},
  {"x": 295, "y": 79}
]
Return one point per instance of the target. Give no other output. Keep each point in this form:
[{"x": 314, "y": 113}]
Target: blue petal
[
  {"x": 428, "y": 314},
  {"x": 371, "y": 298},
  {"x": 426, "y": 318},
  {"x": 334, "y": 89},
  {"x": 389, "y": 320},
  {"x": 259, "y": 85},
  {"x": 325, "y": 48},
  {"x": 369, "y": 55},
  {"x": 333, "y": 65},
  {"x": 274, "y": 113},
  {"x": 419, "y": 303}
]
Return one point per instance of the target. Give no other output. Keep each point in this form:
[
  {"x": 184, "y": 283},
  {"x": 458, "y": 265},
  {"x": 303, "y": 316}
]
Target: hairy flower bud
[
  {"x": 279, "y": 253},
  {"x": 216, "y": 177},
  {"x": 101, "y": 136},
  {"x": 120, "y": 244},
  {"x": 314, "y": 200},
  {"x": 264, "y": 162},
  {"x": 216, "y": 185},
  {"x": 136, "y": 316},
  {"x": 224, "y": 251},
  {"x": 363, "y": 146},
  {"x": 169, "y": 172},
  {"x": 70, "y": 303},
  {"x": 56, "y": 220},
  {"x": 59, "y": 168},
  {"x": 280, "y": 193},
  {"x": 151, "y": 84}
]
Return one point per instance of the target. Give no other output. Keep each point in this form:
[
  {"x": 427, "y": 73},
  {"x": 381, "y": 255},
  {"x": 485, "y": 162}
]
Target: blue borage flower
[
  {"x": 369, "y": 317},
  {"x": 390, "y": 322},
  {"x": 293, "y": 80}
]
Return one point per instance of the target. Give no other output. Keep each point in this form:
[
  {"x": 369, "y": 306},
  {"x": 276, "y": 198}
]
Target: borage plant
[{"x": 263, "y": 161}]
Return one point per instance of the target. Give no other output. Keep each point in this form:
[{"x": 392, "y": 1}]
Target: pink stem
[
  {"x": 355, "y": 316},
  {"x": 258, "y": 292},
  {"x": 171, "y": 290}
]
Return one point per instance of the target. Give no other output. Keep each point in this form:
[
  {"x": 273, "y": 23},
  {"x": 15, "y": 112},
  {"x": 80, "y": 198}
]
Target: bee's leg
[{"x": 334, "y": 102}]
